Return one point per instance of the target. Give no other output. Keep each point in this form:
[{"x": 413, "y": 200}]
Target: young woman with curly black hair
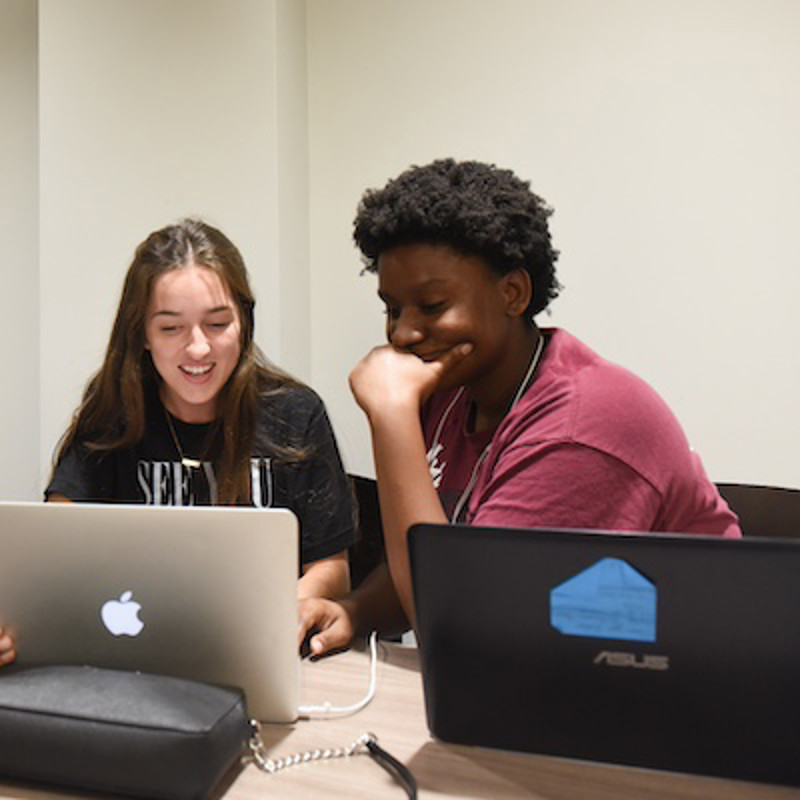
[{"x": 480, "y": 416}]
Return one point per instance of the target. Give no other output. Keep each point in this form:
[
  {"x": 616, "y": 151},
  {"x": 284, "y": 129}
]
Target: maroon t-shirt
[{"x": 588, "y": 445}]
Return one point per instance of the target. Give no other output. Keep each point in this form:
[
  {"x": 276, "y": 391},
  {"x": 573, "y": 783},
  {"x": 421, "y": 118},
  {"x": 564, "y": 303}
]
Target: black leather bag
[{"x": 122, "y": 732}]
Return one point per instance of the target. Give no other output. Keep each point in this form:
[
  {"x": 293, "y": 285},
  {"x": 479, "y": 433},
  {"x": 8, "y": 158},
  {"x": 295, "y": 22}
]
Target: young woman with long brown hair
[{"x": 185, "y": 409}]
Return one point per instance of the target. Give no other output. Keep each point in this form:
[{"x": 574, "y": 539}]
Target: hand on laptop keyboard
[
  {"x": 323, "y": 626},
  {"x": 7, "y": 651}
]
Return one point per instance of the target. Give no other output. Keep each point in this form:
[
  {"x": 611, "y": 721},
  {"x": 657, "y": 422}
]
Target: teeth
[{"x": 197, "y": 370}]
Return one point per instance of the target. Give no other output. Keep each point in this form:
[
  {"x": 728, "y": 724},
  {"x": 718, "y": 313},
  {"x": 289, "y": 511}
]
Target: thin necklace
[
  {"x": 192, "y": 463},
  {"x": 473, "y": 478}
]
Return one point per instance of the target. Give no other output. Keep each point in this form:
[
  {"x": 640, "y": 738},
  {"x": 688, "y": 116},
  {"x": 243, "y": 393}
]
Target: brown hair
[{"x": 112, "y": 412}]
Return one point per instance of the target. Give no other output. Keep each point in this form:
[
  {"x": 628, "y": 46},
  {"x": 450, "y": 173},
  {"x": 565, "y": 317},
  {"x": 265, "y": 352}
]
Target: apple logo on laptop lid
[{"x": 121, "y": 617}]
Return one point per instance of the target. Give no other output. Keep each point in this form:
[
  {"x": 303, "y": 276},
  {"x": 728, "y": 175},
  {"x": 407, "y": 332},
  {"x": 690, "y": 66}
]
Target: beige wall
[
  {"x": 19, "y": 320},
  {"x": 664, "y": 133},
  {"x": 150, "y": 111},
  {"x": 292, "y": 266},
  {"x": 665, "y": 136}
]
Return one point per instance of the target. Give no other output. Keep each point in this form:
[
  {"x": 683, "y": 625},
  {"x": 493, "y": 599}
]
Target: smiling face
[
  {"x": 192, "y": 330},
  {"x": 437, "y": 298}
]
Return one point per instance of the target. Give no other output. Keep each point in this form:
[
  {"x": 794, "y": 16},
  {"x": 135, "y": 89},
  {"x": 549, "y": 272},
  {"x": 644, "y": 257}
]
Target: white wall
[
  {"x": 665, "y": 136},
  {"x": 294, "y": 347},
  {"x": 664, "y": 133},
  {"x": 152, "y": 110},
  {"x": 19, "y": 320}
]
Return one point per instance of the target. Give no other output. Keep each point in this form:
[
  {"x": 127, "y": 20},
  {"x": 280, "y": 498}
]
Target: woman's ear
[{"x": 518, "y": 291}]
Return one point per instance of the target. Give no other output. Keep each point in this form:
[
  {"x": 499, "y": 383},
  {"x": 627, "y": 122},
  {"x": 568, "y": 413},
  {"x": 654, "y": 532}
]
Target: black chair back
[
  {"x": 368, "y": 551},
  {"x": 764, "y": 510}
]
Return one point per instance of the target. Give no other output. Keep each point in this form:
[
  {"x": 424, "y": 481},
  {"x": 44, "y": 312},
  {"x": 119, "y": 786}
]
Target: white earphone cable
[{"x": 327, "y": 708}]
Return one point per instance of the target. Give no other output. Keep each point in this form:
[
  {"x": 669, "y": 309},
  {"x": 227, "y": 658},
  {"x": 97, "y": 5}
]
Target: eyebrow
[
  {"x": 167, "y": 313},
  {"x": 432, "y": 283}
]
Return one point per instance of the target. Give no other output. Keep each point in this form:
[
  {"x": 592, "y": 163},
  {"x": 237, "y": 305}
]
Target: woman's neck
[
  {"x": 496, "y": 393},
  {"x": 184, "y": 412}
]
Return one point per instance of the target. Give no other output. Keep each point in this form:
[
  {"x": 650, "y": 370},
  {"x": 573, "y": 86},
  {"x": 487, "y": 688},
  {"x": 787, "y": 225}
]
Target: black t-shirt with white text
[{"x": 314, "y": 486}]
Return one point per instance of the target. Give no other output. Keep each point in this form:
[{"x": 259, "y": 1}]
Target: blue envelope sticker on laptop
[{"x": 609, "y": 600}]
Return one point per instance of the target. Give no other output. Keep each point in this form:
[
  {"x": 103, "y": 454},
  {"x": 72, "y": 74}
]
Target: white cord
[{"x": 327, "y": 708}]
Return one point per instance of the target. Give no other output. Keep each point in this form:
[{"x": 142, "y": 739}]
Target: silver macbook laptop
[
  {"x": 666, "y": 651},
  {"x": 202, "y": 593}
]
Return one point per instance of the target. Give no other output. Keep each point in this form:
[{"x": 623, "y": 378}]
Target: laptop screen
[
  {"x": 203, "y": 593},
  {"x": 667, "y": 651}
]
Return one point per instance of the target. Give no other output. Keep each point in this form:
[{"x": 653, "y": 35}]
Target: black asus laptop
[{"x": 663, "y": 651}]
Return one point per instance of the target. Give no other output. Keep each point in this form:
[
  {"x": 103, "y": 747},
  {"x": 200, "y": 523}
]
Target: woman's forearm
[
  {"x": 406, "y": 494},
  {"x": 328, "y": 577}
]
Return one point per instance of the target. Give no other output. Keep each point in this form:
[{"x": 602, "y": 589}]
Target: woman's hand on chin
[{"x": 391, "y": 379}]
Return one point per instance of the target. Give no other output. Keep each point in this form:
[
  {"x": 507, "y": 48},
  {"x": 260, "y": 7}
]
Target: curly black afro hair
[{"x": 477, "y": 209}]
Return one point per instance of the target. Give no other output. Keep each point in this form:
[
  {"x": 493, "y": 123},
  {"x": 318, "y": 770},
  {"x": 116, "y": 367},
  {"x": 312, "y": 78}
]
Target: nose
[
  {"x": 405, "y": 330},
  {"x": 198, "y": 346}
]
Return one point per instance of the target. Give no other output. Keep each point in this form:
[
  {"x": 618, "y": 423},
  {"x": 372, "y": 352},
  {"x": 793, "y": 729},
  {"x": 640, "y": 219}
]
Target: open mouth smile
[{"x": 196, "y": 372}]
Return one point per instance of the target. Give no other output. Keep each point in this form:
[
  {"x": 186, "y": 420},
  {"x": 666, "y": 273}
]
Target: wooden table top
[{"x": 396, "y": 716}]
